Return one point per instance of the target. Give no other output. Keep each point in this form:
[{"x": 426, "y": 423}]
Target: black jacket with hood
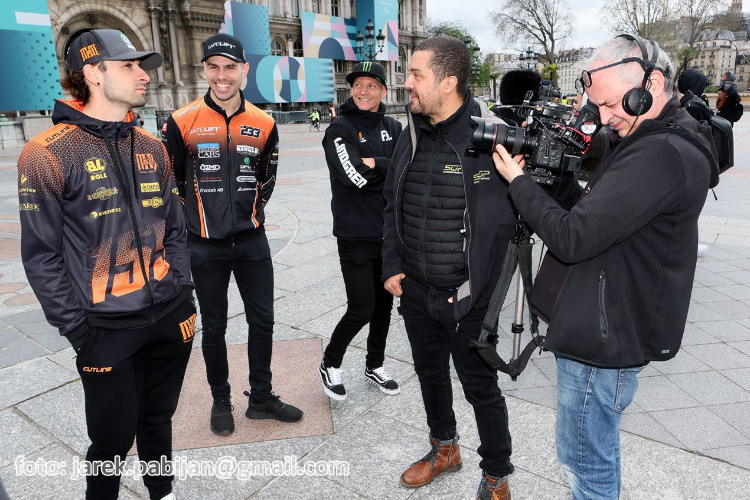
[
  {"x": 630, "y": 242},
  {"x": 488, "y": 207},
  {"x": 103, "y": 237},
  {"x": 357, "y": 201}
]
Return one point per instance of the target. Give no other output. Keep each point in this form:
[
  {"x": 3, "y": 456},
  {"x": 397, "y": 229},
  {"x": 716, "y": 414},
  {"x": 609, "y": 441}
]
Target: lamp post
[
  {"x": 473, "y": 53},
  {"x": 366, "y": 46},
  {"x": 525, "y": 58}
]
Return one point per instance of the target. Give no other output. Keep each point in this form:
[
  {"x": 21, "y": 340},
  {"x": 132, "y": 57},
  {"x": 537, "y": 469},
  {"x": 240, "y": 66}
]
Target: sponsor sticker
[
  {"x": 482, "y": 175},
  {"x": 249, "y": 131},
  {"x": 247, "y": 150},
  {"x": 89, "y": 51},
  {"x": 145, "y": 162},
  {"x": 150, "y": 187},
  {"x": 208, "y": 150},
  {"x": 102, "y": 194},
  {"x": 96, "y": 215},
  {"x": 210, "y": 168},
  {"x": 239, "y": 190},
  {"x": 96, "y": 168},
  {"x": 175, "y": 191},
  {"x": 384, "y": 136},
  {"x": 453, "y": 169},
  {"x": 29, "y": 206},
  {"x": 187, "y": 328},
  {"x": 154, "y": 202},
  {"x": 247, "y": 178},
  {"x": 204, "y": 130}
]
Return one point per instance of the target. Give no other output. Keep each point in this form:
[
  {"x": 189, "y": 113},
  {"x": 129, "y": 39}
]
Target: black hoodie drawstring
[
  {"x": 124, "y": 184},
  {"x": 132, "y": 161}
]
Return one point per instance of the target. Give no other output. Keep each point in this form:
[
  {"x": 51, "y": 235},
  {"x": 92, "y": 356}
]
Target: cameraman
[
  {"x": 447, "y": 223},
  {"x": 618, "y": 291}
]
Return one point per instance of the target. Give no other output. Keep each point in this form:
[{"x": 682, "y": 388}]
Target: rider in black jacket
[{"x": 358, "y": 147}]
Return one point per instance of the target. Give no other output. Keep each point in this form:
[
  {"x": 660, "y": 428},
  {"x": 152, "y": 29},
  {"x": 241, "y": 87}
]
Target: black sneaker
[
  {"x": 380, "y": 377},
  {"x": 222, "y": 421},
  {"x": 272, "y": 408},
  {"x": 333, "y": 385}
]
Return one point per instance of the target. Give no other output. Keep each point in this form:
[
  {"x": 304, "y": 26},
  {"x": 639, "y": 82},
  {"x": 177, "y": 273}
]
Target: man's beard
[
  {"x": 121, "y": 96},
  {"x": 216, "y": 97}
]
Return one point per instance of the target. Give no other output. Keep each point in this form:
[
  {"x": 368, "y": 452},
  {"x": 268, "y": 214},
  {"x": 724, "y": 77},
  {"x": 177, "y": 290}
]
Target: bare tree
[
  {"x": 645, "y": 18},
  {"x": 697, "y": 17},
  {"x": 542, "y": 23}
]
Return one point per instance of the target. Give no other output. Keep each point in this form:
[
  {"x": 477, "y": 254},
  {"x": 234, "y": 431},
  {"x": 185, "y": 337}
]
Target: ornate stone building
[{"x": 177, "y": 28}]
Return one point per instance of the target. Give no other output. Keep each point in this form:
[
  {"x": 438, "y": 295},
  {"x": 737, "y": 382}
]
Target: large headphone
[{"x": 639, "y": 100}]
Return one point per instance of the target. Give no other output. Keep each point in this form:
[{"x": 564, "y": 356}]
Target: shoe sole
[
  {"x": 330, "y": 393},
  {"x": 455, "y": 468},
  {"x": 261, "y": 415},
  {"x": 222, "y": 433},
  {"x": 390, "y": 392}
]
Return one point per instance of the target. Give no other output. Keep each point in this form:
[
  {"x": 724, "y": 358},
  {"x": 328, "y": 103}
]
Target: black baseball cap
[
  {"x": 367, "y": 68},
  {"x": 107, "y": 45},
  {"x": 224, "y": 45}
]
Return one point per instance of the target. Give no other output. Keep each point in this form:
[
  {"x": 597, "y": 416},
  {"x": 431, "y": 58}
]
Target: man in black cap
[
  {"x": 358, "y": 147},
  {"x": 104, "y": 248},
  {"x": 225, "y": 155}
]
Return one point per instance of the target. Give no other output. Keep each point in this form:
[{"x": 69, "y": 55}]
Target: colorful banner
[
  {"x": 28, "y": 51},
  {"x": 384, "y": 15},
  {"x": 275, "y": 79},
  {"x": 328, "y": 36},
  {"x": 249, "y": 23}
]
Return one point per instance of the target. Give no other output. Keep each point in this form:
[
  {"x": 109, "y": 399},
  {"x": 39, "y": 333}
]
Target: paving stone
[
  {"x": 714, "y": 280},
  {"x": 21, "y": 350},
  {"x": 659, "y": 393},
  {"x": 726, "y": 330},
  {"x": 299, "y": 253},
  {"x": 743, "y": 347},
  {"x": 26, "y": 317},
  {"x": 718, "y": 266},
  {"x": 643, "y": 424},
  {"x": 309, "y": 303},
  {"x": 710, "y": 388},
  {"x": 8, "y": 336},
  {"x": 65, "y": 358},
  {"x": 310, "y": 232},
  {"x": 719, "y": 356},
  {"x": 19, "y": 437},
  {"x": 705, "y": 294},
  {"x": 26, "y": 380},
  {"x": 699, "y": 312},
  {"x": 683, "y": 362},
  {"x": 737, "y": 292},
  {"x": 305, "y": 488},
  {"x": 742, "y": 277},
  {"x": 737, "y": 415},
  {"x": 736, "y": 455},
  {"x": 695, "y": 336},
  {"x": 324, "y": 324},
  {"x": 733, "y": 309},
  {"x": 35, "y": 487},
  {"x": 649, "y": 371},
  {"x": 545, "y": 396},
  {"x": 699, "y": 428}
]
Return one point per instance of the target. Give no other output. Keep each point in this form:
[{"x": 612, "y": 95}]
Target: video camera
[{"x": 552, "y": 131}]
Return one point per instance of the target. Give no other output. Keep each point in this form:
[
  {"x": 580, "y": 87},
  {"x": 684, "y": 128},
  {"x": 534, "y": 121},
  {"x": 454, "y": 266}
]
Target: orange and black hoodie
[
  {"x": 225, "y": 166},
  {"x": 103, "y": 236}
]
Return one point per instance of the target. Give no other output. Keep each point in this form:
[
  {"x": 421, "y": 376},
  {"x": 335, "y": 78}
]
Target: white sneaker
[
  {"x": 333, "y": 384},
  {"x": 380, "y": 377},
  {"x": 169, "y": 497},
  {"x": 702, "y": 249}
]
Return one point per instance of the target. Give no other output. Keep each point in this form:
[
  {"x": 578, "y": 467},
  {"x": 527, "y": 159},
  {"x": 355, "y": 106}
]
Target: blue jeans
[{"x": 590, "y": 402}]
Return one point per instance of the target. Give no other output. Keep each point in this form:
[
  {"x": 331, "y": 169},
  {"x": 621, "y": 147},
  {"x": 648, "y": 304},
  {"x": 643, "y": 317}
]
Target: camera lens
[
  {"x": 484, "y": 136},
  {"x": 516, "y": 140}
]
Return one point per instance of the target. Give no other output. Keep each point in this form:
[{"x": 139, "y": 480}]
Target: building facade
[
  {"x": 177, "y": 29},
  {"x": 569, "y": 67}
]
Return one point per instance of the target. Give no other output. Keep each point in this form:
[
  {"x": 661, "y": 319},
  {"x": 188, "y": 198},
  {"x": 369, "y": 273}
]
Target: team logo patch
[
  {"x": 154, "y": 202},
  {"x": 209, "y": 150},
  {"x": 175, "y": 191},
  {"x": 102, "y": 194},
  {"x": 96, "y": 168},
  {"x": 187, "y": 328},
  {"x": 247, "y": 178},
  {"x": 452, "y": 169},
  {"x": 249, "y": 131},
  {"x": 482, "y": 175},
  {"x": 247, "y": 150},
  {"x": 33, "y": 207},
  {"x": 96, "y": 215},
  {"x": 146, "y": 163},
  {"x": 150, "y": 187},
  {"x": 89, "y": 51},
  {"x": 24, "y": 178},
  {"x": 362, "y": 138},
  {"x": 210, "y": 168},
  {"x": 385, "y": 137}
]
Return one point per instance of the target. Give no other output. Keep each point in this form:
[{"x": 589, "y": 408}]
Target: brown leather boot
[
  {"x": 441, "y": 458},
  {"x": 492, "y": 489}
]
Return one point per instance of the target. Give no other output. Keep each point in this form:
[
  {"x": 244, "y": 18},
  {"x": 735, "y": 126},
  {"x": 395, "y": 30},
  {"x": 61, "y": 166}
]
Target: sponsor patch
[
  {"x": 362, "y": 138},
  {"x": 211, "y": 190},
  {"x": 26, "y": 190},
  {"x": 247, "y": 150},
  {"x": 33, "y": 207},
  {"x": 453, "y": 169},
  {"x": 94, "y": 165},
  {"x": 146, "y": 163},
  {"x": 176, "y": 191},
  {"x": 204, "y": 130},
  {"x": 210, "y": 168},
  {"x": 482, "y": 175},
  {"x": 89, "y": 51},
  {"x": 24, "y": 178},
  {"x": 52, "y": 138},
  {"x": 187, "y": 328},
  {"x": 249, "y": 131},
  {"x": 208, "y": 150},
  {"x": 154, "y": 202},
  {"x": 96, "y": 215},
  {"x": 102, "y": 194},
  {"x": 97, "y": 369},
  {"x": 247, "y": 178},
  {"x": 246, "y": 169},
  {"x": 150, "y": 187},
  {"x": 239, "y": 190},
  {"x": 384, "y": 136},
  {"x": 351, "y": 172}
]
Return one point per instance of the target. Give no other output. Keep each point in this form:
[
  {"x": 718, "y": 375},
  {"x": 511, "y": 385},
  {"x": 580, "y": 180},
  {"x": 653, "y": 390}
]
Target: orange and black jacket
[
  {"x": 225, "y": 166},
  {"x": 103, "y": 236}
]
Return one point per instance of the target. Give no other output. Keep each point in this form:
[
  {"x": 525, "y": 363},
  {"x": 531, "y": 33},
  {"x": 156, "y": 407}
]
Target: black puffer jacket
[
  {"x": 631, "y": 242},
  {"x": 488, "y": 207},
  {"x": 357, "y": 201}
]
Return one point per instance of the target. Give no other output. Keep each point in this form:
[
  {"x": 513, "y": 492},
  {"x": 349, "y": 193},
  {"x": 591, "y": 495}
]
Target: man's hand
[
  {"x": 370, "y": 162},
  {"x": 393, "y": 285},
  {"x": 509, "y": 167}
]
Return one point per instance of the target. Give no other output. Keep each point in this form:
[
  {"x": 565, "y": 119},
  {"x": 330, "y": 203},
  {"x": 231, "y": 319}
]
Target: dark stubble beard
[
  {"x": 214, "y": 96},
  {"x": 120, "y": 95}
]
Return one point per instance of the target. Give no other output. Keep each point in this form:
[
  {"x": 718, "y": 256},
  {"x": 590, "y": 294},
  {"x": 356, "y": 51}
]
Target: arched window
[
  {"x": 277, "y": 47},
  {"x": 401, "y": 63},
  {"x": 297, "y": 49}
]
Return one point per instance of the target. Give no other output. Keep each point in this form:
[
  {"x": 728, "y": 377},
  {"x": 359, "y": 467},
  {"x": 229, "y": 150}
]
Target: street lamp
[
  {"x": 369, "y": 39},
  {"x": 526, "y": 58},
  {"x": 475, "y": 69}
]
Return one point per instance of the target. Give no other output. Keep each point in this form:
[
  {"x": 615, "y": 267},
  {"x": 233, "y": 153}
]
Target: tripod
[{"x": 518, "y": 256}]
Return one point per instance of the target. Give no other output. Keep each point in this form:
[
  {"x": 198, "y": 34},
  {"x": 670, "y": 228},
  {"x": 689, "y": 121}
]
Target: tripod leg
[{"x": 517, "y": 327}]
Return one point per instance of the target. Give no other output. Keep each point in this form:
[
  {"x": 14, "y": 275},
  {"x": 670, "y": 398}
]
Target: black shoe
[
  {"x": 272, "y": 408},
  {"x": 380, "y": 377},
  {"x": 333, "y": 385},
  {"x": 222, "y": 421}
]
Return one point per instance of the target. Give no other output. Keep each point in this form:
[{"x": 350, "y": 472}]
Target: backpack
[{"x": 721, "y": 129}]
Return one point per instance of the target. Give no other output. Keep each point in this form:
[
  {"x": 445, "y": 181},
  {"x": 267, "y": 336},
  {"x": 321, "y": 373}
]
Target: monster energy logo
[{"x": 366, "y": 66}]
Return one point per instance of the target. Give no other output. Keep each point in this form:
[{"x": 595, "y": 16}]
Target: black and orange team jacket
[
  {"x": 225, "y": 166},
  {"x": 103, "y": 236}
]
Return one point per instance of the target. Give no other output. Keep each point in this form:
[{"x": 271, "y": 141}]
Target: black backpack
[{"x": 721, "y": 129}]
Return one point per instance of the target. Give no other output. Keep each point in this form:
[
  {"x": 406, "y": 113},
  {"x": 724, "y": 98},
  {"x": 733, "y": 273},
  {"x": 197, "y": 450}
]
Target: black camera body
[{"x": 554, "y": 137}]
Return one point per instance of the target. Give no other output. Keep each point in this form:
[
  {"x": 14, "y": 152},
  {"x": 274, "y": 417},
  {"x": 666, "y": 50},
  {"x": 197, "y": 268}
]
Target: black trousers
[
  {"x": 131, "y": 381},
  {"x": 367, "y": 302},
  {"x": 213, "y": 262}
]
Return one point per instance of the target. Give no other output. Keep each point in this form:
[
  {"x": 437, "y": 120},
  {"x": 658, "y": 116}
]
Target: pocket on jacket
[{"x": 603, "y": 324}]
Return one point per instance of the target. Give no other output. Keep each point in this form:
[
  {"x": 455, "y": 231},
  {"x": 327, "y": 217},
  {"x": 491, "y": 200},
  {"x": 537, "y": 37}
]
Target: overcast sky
[{"x": 588, "y": 32}]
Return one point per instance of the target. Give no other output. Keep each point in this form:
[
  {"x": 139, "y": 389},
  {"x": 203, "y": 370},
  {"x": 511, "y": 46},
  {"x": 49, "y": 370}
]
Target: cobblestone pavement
[{"x": 686, "y": 436}]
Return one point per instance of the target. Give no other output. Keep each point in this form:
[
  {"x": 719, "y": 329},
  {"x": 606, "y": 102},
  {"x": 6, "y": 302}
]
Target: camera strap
[{"x": 517, "y": 255}]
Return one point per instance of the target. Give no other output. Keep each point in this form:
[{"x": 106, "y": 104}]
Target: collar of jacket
[
  {"x": 368, "y": 118},
  {"x": 71, "y": 111},
  {"x": 212, "y": 104}
]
